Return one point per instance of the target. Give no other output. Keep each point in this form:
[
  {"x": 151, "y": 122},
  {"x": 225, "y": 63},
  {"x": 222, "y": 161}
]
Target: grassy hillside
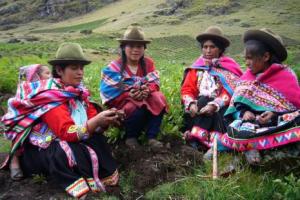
[{"x": 186, "y": 19}]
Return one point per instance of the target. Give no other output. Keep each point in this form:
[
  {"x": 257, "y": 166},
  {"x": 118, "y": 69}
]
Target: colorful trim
[
  {"x": 93, "y": 185},
  {"x": 80, "y": 130},
  {"x": 19, "y": 140},
  {"x": 69, "y": 153},
  {"x": 227, "y": 78},
  {"x": 200, "y": 135},
  {"x": 111, "y": 180},
  {"x": 263, "y": 142},
  {"x": 95, "y": 167},
  {"x": 78, "y": 188}
]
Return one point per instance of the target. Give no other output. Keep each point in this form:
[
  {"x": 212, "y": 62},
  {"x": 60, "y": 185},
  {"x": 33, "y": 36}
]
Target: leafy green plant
[
  {"x": 288, "y": 187},
  {"x": 40, "y": 179}
]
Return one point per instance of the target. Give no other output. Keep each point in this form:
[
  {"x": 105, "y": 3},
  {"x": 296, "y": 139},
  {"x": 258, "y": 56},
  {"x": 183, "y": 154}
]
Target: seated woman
[
  {"x": 30, "y": 73},
  {"x": 131, "y": 83},
  {"x": 207, "y": 88},
  {"x": 264, "y": 109},
  {"x": 60, "y": 130}
]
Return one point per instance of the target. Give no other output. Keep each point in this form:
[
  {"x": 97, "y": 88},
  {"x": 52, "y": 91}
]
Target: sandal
[{"x": 253, "y": 157}]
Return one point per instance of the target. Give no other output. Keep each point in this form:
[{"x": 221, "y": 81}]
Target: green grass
[
  {"x": 246, "y": 183},
  {"x": 78, "y": 27},
  {"x": 9, "y": 70}
]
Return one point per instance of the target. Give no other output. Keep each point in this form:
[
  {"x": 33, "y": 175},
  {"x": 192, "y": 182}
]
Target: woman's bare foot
[
  {"x": 253, "y": 157},
  {"x": 16, "y": 173}
]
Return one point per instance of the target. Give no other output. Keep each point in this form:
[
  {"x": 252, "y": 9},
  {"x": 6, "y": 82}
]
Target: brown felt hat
[
  {"x": 214, "y": 33},
  {"x": 271, "y": 39},
  {"x": 68, "y": 53},
  {"x": 134, "y": 34}
]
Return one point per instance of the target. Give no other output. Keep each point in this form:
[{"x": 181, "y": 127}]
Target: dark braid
[
  {"x": 259, "y": 48},
  {"x": 143, "y": 65},
  {"x": 55, "y": 67},
  {"x": 124, "y": 60}
]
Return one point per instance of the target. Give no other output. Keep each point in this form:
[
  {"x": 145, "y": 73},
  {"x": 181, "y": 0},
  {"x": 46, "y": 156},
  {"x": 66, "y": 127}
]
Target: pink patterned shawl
[
  {"x": 280, "y": 78},
  {"x": 29, "y": 73},
  {"x": 224, "y": 61}
]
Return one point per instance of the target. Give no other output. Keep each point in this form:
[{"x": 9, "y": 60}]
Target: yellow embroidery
[
  {"x": 72, "y": 129},
  {"x": 81, "y": 131}
]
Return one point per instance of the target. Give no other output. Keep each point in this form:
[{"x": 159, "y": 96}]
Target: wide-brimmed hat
[
  {"x": 69, "y": 53},
  {"x": 134, "y": 34},
  {"x": 269, "y": 38},
  {"x": 214, "y": 33}
]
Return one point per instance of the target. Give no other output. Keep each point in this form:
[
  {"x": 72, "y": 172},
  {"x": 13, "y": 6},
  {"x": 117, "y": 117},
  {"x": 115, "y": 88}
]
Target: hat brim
[
  {"x": 207, "y": 36},
  {"x": 269, "y": 40},
  {"x": 68, "y": 61},
  {"x": 138, "y": 41}
]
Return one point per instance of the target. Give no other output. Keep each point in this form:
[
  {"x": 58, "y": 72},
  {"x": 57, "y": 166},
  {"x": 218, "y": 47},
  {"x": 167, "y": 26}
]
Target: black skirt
[{"x": 76, "y": 180}]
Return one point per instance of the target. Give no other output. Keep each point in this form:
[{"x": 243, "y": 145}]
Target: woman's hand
[
  {"x": 104, "y": 119},
  {"x": 136, "y": 94},
  {"x": 248, "y": 116},
  {"x": 193, "y": 109},
  {"x": 265, "y": 117},
  {"x": 209, "y": 109},
  {"x": 145, "y": 91},
  {"x": 108, "y": 117}
]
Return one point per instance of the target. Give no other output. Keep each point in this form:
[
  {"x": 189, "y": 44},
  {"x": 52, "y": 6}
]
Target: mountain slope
[
  {"x": 23, "y": 11},
  {"x": 178, "y": 17}
]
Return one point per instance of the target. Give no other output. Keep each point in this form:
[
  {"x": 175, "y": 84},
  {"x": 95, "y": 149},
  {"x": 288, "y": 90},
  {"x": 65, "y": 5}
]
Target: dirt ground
[{"x": 149, "y": 168}]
